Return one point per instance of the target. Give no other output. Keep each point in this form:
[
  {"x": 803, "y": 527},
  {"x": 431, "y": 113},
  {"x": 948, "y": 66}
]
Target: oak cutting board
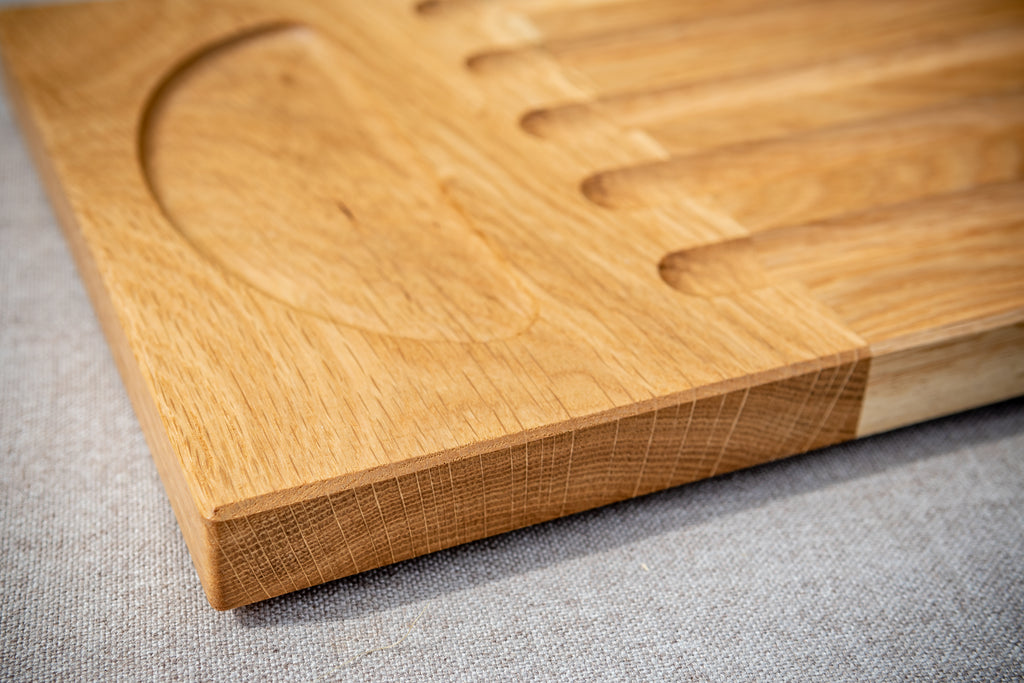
[{"x": 385, "y": 277}]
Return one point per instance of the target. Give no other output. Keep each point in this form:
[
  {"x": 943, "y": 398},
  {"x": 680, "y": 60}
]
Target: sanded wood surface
[{"x": 382, "y": 278}]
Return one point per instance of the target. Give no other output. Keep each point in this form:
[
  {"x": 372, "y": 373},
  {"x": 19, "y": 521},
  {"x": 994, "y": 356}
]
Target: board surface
[{"x": 382, "y": 278}]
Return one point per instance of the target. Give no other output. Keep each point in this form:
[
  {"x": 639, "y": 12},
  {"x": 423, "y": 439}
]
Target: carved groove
[{"x": 254, "y": 108}]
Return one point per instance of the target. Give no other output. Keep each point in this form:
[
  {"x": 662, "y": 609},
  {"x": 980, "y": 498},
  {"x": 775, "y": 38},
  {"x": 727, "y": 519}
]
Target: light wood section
[
  {"x": 927, "y": 380},
  {"x": 373, "y": 301}
]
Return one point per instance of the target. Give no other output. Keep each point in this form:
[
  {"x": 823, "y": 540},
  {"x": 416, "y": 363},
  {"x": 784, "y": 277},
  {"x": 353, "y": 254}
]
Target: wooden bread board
[{"x": 386, "y": 277}]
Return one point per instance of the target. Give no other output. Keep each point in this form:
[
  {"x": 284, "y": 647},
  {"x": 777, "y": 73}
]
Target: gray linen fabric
[{"x": 898, "y": 557}]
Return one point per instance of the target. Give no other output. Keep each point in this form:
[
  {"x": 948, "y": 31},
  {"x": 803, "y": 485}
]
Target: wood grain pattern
[
  {"x": 395, "y": 519},
  {"x": 373, "y": 301}
]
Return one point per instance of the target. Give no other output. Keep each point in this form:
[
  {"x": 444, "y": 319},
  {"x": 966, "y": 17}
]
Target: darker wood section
[{"x": 274, "y": 552}]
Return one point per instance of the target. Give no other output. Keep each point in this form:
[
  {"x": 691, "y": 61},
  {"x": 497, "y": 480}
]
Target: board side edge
[
  {"x": 302, "y": 544},
  {"x": 196, "y": 528}
]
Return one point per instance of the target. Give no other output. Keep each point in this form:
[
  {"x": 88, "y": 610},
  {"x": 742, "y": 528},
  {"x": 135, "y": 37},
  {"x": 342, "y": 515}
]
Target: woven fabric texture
[{"x": 900, "y": 556}]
